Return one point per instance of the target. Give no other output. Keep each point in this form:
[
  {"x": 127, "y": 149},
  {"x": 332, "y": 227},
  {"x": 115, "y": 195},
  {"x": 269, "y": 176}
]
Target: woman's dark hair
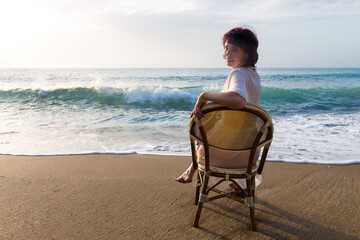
[{"x": 246, "y": 40}]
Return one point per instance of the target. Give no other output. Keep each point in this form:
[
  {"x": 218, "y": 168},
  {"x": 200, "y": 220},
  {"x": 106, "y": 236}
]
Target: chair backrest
[{"x": 233, "y": 130}]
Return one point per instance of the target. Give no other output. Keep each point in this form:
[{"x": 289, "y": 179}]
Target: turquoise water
[{"x": 71, "y": 111}]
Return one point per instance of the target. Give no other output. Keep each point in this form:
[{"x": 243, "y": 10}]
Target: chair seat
[{"x": 201, "y": 166}]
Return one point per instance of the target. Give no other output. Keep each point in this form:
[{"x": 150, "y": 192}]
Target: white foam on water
[
  {"x": 320, "y": 138},
  {"x": 156, "y": 94}
]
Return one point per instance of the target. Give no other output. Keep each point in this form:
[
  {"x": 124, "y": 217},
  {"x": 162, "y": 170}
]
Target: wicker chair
[{"x": 245, "y": 132}]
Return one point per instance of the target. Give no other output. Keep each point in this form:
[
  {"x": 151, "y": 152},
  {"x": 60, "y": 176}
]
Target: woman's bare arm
[{"x": 229, "y": 99}]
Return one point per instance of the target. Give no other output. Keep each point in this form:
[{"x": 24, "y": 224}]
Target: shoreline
[
  {"x": 107, "y": 196},
  {"x": 343, "y": 163}
]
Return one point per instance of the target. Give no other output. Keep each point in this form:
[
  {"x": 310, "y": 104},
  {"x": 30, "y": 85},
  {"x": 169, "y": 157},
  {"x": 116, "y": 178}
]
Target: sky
[{"x": 175, "y": 33}]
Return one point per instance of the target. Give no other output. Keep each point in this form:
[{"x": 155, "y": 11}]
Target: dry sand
[{"x": 136, "y": 197}]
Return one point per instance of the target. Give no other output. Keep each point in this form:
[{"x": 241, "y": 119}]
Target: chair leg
[
  {"x": 251, "y": 204},
  {"x": 201, "y": 201},
  {"x": 252, "y": 219},
  {"x": 197, "y": 189},
  {"x": 253, "y": 189}
]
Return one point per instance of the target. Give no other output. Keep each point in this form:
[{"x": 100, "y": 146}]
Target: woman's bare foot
[
  {"x": 187, "y": 176},
  {"x": 237, "y": 191},
  {"x": 184, "y": 178},
  {"x": 235, "y": 188}
]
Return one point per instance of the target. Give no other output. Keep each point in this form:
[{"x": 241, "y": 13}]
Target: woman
[{"x": 241, "y": 87}]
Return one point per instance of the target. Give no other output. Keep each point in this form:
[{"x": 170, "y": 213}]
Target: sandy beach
[{"x": 136, "y": 197}]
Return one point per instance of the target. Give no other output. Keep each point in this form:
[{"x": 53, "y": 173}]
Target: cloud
[{"x": 172, "y": 33}]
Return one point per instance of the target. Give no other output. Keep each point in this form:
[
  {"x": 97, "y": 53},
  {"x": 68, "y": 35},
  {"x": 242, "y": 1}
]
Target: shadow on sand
[{"x": 272, "y": 222}]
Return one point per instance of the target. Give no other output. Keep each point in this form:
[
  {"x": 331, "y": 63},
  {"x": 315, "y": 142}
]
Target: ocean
[{"x": 316, "y": 112}]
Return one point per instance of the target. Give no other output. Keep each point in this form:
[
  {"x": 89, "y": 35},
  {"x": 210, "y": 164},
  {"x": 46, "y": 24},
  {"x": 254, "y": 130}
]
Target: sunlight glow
[{"x": 179, "y": 33}]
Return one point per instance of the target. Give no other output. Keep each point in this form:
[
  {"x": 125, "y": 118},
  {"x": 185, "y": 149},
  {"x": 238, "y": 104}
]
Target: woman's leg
[{"x": 187, "y": 176}]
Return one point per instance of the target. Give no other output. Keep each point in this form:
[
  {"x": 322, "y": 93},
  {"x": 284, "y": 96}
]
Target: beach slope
[{"x": 135, "y": 197}]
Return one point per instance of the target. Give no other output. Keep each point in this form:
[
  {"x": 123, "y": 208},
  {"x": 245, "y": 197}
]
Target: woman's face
[{"x": 235, "y": 57}]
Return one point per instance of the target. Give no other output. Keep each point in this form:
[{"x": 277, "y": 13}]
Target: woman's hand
[{"x": 197, "y": 109}]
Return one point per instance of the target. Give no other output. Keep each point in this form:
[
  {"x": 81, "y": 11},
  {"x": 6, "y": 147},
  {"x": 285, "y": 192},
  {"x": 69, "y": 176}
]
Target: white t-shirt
[{"x": 245, "y": 82}]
